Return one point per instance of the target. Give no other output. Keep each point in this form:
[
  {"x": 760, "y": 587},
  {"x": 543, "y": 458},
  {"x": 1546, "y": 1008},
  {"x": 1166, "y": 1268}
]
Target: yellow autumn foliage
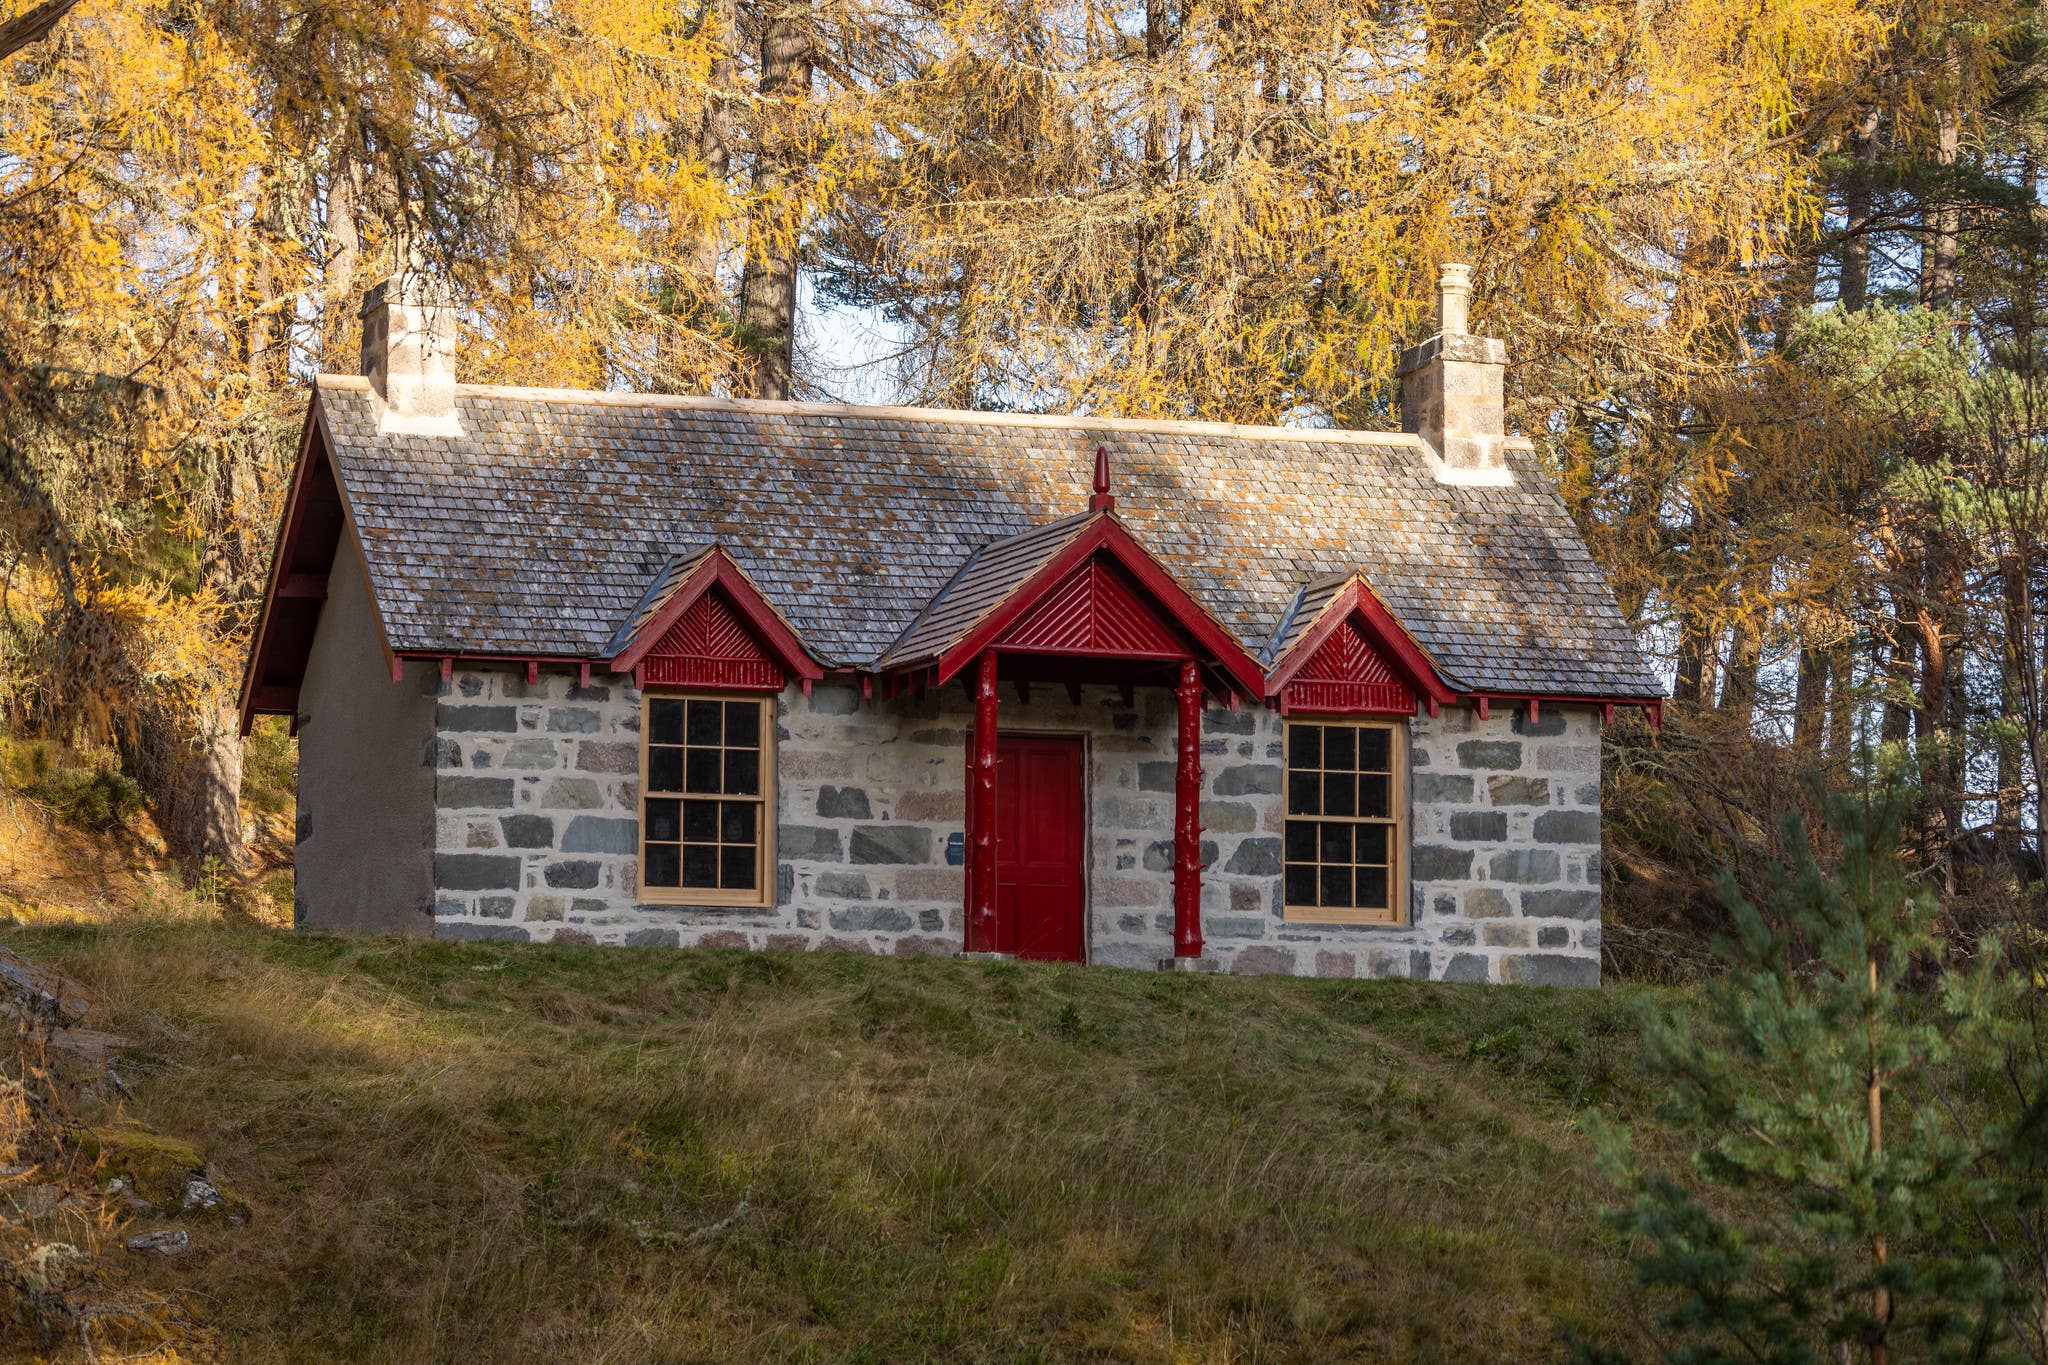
[
  {"x": 1236, "y": 210},
  {"x": 1230, "y": 209},
  {"x": 193, "y": 197}
]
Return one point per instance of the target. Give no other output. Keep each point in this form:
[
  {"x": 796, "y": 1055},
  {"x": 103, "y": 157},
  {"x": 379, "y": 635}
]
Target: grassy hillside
[{"x": 489, "y": 1152}]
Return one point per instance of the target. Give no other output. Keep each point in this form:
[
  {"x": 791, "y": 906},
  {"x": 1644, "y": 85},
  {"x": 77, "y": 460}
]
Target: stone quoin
[{"x": 600, "y": 668}]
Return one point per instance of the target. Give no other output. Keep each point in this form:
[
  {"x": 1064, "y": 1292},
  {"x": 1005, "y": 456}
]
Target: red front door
[{"x": 1040, "y": 846}]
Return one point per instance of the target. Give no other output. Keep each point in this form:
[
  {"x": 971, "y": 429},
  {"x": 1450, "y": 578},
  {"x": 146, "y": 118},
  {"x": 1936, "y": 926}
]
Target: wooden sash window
[
  {"x": 1346, "y": 840},
  {"x": 707, "y": 799}
]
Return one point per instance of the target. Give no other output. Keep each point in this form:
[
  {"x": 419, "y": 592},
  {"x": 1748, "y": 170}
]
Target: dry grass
[
  {"x": 489, "y": 1152},
  {"x": 60, "y": 863}
]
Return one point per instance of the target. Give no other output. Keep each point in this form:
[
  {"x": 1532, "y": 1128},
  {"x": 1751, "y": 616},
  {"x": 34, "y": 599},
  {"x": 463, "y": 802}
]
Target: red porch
[{"x": 1076, "y": 602}]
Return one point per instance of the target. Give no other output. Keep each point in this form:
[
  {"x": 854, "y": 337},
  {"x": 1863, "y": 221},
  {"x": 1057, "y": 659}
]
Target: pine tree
[{"x": 1839, "y": 1199}]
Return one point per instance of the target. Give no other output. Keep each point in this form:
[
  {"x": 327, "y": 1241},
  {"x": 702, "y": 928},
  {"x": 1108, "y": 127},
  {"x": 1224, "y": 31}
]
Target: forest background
[{"x": 1771, "y": 274}]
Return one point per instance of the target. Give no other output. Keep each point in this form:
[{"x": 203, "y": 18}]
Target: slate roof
[{"x": 539, "y": 530}]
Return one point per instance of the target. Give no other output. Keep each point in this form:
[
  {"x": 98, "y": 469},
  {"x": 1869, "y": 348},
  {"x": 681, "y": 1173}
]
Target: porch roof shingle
[
  {"x": 992, "y": 572},
  {"x": 1302, "y": 613}
]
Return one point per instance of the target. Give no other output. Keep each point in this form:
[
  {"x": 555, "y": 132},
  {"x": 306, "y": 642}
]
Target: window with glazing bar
[
  {"x": 1346, "y": 841},
  {"x": 707, "y": 808}
]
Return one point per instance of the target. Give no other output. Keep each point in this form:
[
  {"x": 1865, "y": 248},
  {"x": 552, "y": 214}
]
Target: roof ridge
[{"x": 890, "y": 412}]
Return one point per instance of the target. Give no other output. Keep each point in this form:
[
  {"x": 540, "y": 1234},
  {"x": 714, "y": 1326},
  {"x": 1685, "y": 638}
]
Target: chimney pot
[
  {"x": 409, "y": 355},
  {"x": 1453, "y": 391},
  {"x": 1454, "y": 299}
]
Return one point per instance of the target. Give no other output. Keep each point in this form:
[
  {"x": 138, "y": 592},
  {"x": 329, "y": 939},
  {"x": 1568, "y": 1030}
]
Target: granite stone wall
[
  {"x": 536, "y": 789},
  {"x": 1505, "y": 829}
]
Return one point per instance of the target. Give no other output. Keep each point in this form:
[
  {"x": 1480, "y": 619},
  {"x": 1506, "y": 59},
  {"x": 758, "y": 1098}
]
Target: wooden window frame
[
  {"x": 762, "y": 897},
  {"x": 1396, "y": 914}
]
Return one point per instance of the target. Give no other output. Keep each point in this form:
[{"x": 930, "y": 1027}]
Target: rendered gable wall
[
  {"x": 537, "y": 828},
  {"x": 363, "y": 862}
]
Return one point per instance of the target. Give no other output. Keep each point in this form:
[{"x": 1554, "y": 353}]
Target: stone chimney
[
  {"x": 1452, "y": 392},
  {"x": 409, "y": 355}
]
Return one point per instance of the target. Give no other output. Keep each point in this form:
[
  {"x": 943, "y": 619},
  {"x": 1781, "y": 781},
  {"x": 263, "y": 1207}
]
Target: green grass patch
[{"x": 488, "y": 1151}]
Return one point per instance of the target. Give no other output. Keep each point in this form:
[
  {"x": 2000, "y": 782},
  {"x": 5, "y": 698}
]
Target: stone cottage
[{"x": 616, "y": 668}]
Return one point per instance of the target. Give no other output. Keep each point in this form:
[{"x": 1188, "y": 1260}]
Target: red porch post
[
  {"x": 1187, "y": 818},
  {"x": 981, "y": 793}
]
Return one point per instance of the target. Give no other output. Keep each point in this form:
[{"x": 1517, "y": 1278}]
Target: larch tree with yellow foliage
[
  {"x": 1232, "y": 208},
  {"x": 192, "y": 197}
]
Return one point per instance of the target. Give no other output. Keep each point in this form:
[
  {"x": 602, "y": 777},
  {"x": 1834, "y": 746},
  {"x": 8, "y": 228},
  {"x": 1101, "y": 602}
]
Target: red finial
[{"x": 1103, "y": 500}]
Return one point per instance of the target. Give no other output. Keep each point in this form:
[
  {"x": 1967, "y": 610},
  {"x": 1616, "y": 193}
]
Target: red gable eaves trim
[
  {"x": 719, "y": 569},
  {"x": 1357, "y": 599},
  {"x": 292, "y": 579},
  {"x": 294, "y": 510},
  {"x": 1106, "y": 535}
]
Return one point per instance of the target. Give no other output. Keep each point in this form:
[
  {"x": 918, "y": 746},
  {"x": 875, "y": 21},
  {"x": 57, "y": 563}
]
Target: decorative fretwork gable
[
  {"x": 711, "y": 647},
  {"x": 703, "y": 623},
  {"x": 1350, "y": 674},
  {"x": 1081, "y": 588},
  {"x": 1343, "y": 652},
  {"x": 1094, "y": 610}
]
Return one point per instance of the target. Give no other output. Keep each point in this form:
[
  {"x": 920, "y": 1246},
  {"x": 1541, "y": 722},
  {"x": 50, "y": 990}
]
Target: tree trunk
[
  {"x": 768, "y": 283},
  {"x": 264, "y": 367},
  {"x": 2005, "y": 819},
  {"x": 1699, "y": 640},
  {"x": 2023, "y": 675},
  {"x": 196, "y": 778},
  {"x": 1698, "y": 662},
  {"x": 1930, "y": 714},
  {"x": 1938, "y": 701},
  {"x": 714, "y": 137},
  {"x": 1898, "y": 716},
  {"x": 344, "y": 264},
  {"x": 1148, "y": 171},
  {"x": 1854, "y": 289},
  {"x": 1746, "y": 646},
  {"x": 1810, "y": 699},
  {"x": 1146, "y": 273},
  {"x": 1745, "y": 664},
  {"x": 1842, "y": 703},
  {"x": 686, "y": 298},
  {"x": 1880, "y": 1249},
  {"x": 1800, "y": 287},
  {"x": 1938, "y": 269}
]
